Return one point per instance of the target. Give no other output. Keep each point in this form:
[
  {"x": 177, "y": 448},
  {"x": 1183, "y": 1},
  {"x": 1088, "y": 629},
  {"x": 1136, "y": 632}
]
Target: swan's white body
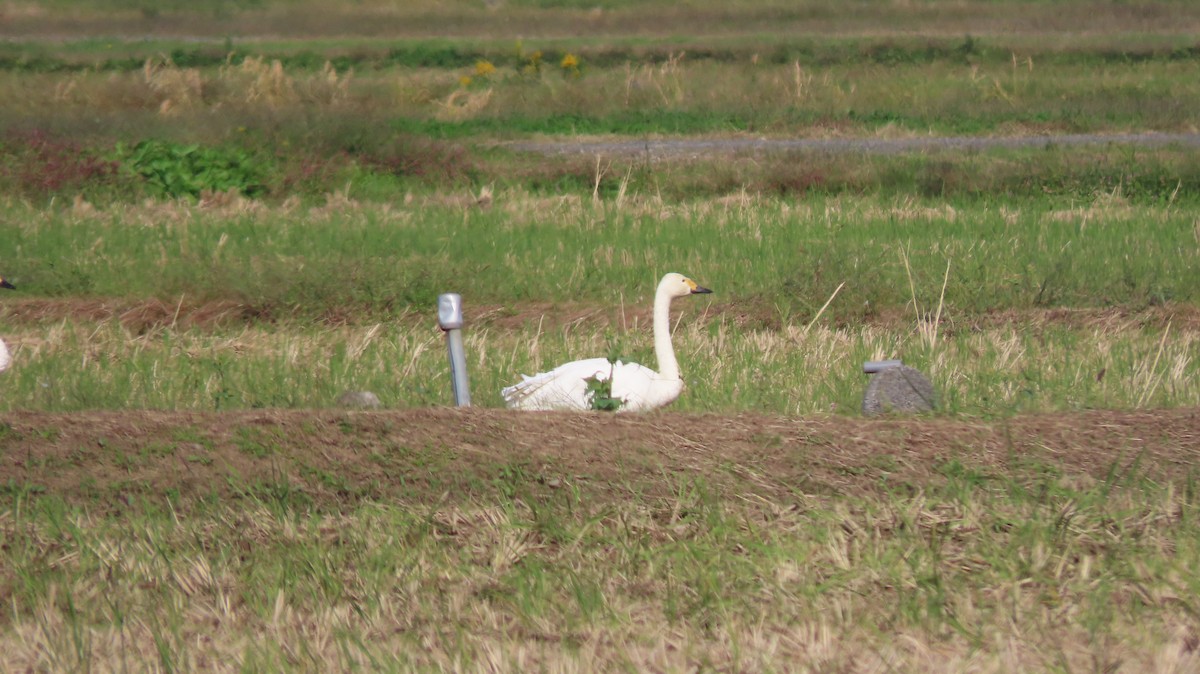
[
  {"x": 5, "y": 356},
  {"x": 638, "y": 387}
]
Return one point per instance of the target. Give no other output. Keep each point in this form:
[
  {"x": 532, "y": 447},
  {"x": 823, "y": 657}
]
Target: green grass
[
  {"x": 1034, "y": 570},
  {"x": 375, "y": 261}
]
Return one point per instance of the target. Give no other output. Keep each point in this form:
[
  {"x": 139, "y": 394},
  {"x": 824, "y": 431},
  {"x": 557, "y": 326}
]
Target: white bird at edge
[
  {"x": 637, "y": 387},
  {"x": 5, "y": 357}
]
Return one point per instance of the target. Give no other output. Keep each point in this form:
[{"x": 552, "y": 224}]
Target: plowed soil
[{"x": 332, "y": 458}]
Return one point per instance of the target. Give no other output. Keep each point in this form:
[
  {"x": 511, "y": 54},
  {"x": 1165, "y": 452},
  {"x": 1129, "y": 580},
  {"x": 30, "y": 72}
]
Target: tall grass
[
  {"x": 792, "y": 370},
  {"x": 681, "y": 94}
]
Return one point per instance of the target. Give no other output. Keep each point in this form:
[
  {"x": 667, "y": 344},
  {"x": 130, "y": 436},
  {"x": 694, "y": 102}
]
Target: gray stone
[
  {"x": 898, "y": 389},
  {"x": 363, "y": 399}
]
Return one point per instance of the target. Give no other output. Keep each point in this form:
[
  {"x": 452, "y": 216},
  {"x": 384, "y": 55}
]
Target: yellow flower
[
  {"x": 569, "y": 62},
  {"x": 484, "y": 68},
  {"x": 465, "y": 80}
]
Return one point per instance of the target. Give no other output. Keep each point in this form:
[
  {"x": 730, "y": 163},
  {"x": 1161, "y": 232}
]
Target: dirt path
[{"x": 696, "y": 147}]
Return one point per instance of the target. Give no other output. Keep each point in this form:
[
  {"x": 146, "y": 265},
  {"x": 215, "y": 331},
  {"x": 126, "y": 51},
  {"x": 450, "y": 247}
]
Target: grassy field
[
  {"x": 219, "y": 218},
  {"x": 486, "y": 541},
  {"x": 236, "y": 290}
]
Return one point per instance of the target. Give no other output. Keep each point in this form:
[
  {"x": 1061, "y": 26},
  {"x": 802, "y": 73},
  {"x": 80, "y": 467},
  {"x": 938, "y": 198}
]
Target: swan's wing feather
[
  {"x": 5, "y": 357},
  {"x": 564, "y": 387},
  {"x": 638, "y": 387}
]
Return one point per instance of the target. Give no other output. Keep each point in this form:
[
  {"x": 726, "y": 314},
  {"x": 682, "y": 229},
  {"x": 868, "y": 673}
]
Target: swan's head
[
  {"x": 678, "y": 285},
  {"x": 5, "y": 284}
]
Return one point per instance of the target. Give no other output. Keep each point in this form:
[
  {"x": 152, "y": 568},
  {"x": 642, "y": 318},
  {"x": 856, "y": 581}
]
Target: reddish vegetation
[
  {"x": 51, "y": 165},
  {"x": 422, "y": 456}
]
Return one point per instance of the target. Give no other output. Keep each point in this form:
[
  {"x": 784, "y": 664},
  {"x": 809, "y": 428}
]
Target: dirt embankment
[
  {"x": 142, "y": 315},
  {"x": 329, "y": 458}
]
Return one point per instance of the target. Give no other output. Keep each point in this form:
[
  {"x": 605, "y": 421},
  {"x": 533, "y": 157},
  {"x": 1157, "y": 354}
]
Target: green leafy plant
[
  {"x": 600, "y": 392},
  {"x": 177, "y": 170}
]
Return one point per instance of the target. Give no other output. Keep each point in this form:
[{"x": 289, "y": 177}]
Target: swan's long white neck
[{"x": 668, "y": 367}]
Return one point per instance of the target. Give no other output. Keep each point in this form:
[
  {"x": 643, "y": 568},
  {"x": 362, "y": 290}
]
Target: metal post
[
  {"x": 450, "y": 318},
  {"x": 873, "y": 366}
]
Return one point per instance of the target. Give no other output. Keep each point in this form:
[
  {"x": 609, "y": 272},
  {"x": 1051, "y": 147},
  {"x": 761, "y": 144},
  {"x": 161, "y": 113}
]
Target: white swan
[
  {"x": 5, "y": 357},
  {"x": 638, "y": 388}
]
